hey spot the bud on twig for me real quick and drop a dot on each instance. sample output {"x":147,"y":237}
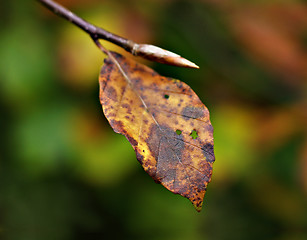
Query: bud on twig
{"x":161,"y":55}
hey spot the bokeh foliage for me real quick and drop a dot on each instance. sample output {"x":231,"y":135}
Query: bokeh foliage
{"x":65,"y":175}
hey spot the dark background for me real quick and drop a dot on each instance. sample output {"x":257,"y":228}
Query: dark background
{"x":65,"y":175}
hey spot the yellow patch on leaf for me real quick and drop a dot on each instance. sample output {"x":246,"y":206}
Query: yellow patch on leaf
{"x":165,"y":122}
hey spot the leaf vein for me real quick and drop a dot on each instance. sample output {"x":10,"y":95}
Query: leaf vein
{"x":168,"y":91}
{"x":192,"y":145}
{"x":163,"y":110}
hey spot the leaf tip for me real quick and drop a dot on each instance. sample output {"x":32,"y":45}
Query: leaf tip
{"x":198,"y":209}
{"x":197,"y":200}
{"x":197,"y":203}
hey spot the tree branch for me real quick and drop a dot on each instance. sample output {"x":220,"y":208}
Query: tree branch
{"x":147,"y":51}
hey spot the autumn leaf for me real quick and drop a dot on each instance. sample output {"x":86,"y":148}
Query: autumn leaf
{"x":165,"y":122}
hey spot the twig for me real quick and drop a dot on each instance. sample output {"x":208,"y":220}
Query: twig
{"x":147,"y":51}
{"x":91,"y":29}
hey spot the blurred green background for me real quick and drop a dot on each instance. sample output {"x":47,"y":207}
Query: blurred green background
{"x":65,"y":175}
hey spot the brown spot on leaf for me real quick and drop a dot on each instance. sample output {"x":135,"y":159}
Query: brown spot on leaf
{"x":192,"y":112}
{"x":128,"y":107}
{"x":208,"y":152}
{"x":111,"y":93}
{"x":132,"y":141}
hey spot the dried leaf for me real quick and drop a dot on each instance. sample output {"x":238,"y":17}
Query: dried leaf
{"x":165,"y":122}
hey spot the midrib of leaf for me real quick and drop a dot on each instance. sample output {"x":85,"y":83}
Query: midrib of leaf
{"x":133,"y":88}
{"x":146,"y":108}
